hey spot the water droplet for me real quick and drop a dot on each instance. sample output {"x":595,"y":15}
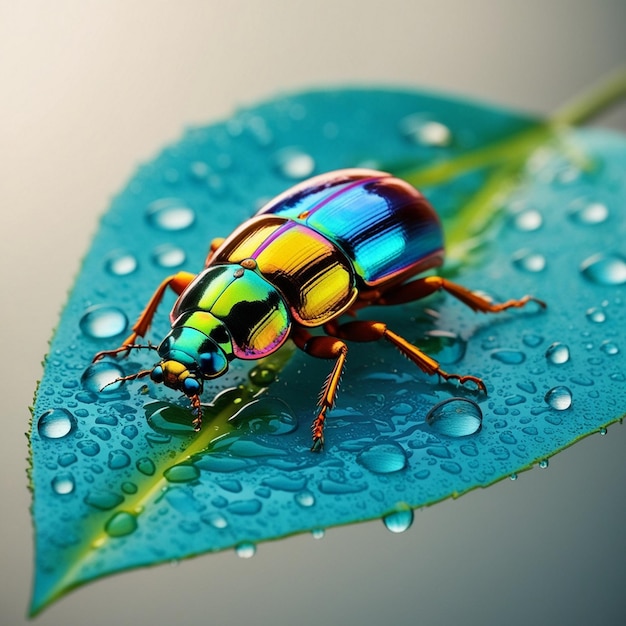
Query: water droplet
{"x":543,"y":464}
{"x":603,"y":430}
{"x":400,"y":520}
{"x":266,"y":415}
{"x":425,"y":132}
{"x":118,"y":459}
{"x":596,"y":315}
{"x":513,"y":476}
{"x":448,"y":346}
{"x":102,"y":377}
{"x":305,"y":498}
{"x":557,"y":353}
{"x":103,"y":500}
{"x":559,"y":398}
{"x":215,"y":519}
{"x":56,"y":423}
{"x":510,"y":357}
{"x":120,"y":524}
{"x":609,"y":347}
{"x":528,"y":220}
{"x":146,"y":466}
{"x":182,"y":473}
{"x":531,"y":340}
{"x":88,"y":447}
{"x":529,"y":261}
{"x":294,"y":163}
{"x":588,"y":213}
{"x":604,"y":269}
{"x":103,"y":322}
{"x":245,"y":550}
{"x":383,"y":458}
{"x":455,"y":417}
{"x":170,"y":214}
{"x":318,"y":533}
{"x":120,"y":263}
{"x":63,"y":483}
{"x":262,"y":375}
{"x":168,"y":255}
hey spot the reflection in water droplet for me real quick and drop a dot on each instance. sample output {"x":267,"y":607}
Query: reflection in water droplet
{"x":557,"y":353}
{"x":448,"y":347}
{"x":56,"y":423}
{"x":510,"y":357}
{"x":103,"y":322}
{"x":294,"y":163}
{"x":400,"y":520}
{"x":170,"y":214}
{"x":604,"y":269}
{"x":426,"y":132}
{"x":455,"y":417}
{"x":529,"y":261}
{"x":266,"y":415}
{"x":63,"y":483}
{"x":609,"y":347}
{"x":383,"y":458}
{"x":168,"y":255}
{"x":120,"y":263}
{"x":101,"y":377}
{"x":589,"y":213}
{"x":245,"y":550}
{"x":559,"y":398}
{"x":528,"y":221}
{"x":596,"y":315}
{"x":120,"y":524}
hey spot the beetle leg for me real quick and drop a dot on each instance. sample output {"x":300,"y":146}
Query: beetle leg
{"x":323,"y":348}
{"x":178,"y":283}
{"x":372,"y":331}
{"x":215,"y":244}
{"x":197,"y":407}
{"x":423,"y":287}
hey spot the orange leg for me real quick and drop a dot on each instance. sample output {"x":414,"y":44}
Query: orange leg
{"x":372,"y":331}
{"x":323,"y":348}
{"x":215,"y":244}
{"x":426,"y":286}
{"x":178,"y":283}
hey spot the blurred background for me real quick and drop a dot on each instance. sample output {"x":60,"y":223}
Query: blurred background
{"x":91,"y":89}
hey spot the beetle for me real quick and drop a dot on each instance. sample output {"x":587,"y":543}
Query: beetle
{"x":328,"y":246}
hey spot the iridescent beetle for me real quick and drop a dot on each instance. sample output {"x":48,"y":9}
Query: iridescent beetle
{"x":328,"y":246}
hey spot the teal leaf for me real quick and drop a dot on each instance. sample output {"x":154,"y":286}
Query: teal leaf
{"x":119,"y":478}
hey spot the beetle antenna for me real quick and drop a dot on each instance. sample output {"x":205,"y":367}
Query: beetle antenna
{"x":123,"y":379}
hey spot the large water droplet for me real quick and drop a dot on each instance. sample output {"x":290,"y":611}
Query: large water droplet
{"x":266,"y":415}
{"x":102,"y":377}
{"x":295,"y":164}
{"x":56,"y":423}
{"x":559,"y":398}
{"x":383,"y":458}
{"x":170,"y":214}
{"x":245,"y":550}
{"x":120,"y":263}
{"x":557,"y":353}
{"x":400,"y":520}
{"x":120,"y":524}
{"x":103,"y":322}
{"x":588,"y":213}
{"x":455,"y":417}
{"x":63,"y":483}
{"x":528,"y":261}
{"x":447,"y":346}
{"x":168,"y":255}
{"x":604,"y":269}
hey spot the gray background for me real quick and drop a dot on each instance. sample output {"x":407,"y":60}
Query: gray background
{"x":88,"y":91}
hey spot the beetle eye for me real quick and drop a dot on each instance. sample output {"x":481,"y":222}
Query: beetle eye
{"x":157,"y":374}
{"x":191,"y":386}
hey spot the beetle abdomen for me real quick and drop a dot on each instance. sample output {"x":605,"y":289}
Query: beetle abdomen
{"x":384,"y":225}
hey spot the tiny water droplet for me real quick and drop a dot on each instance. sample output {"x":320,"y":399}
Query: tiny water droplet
{"x":604,"y":269}
{"x":294,"y":164}
{"x":216,"y":520}
{"x":120,"y":524}
{"x":603,"y":430}
{"x":305,"y":498}
{"x":56,"y":423}
{"x":318,"y":533}
{"x":558,"y":353}
{"x":455,"y":417}
{"x":596,"y":315}
{"x":609,"y":347}
{"x":63,"y":483}
{"x":182,"y":473}
{"x":102,"y":377}
{"x":383,"y":458}
{"x":528,"y":221}
{"x":513,"y":476}
{"x":559,"y":398}
{"x":400,"y":520}
{"x":168,"y":255}
{"x":262,"y":375}
{"x":544,"y":463}
{"x":588,"y":213}
{"x":510,"y":357}
{"x":103,"y":322}
{"x":170,"y":214}
{"x":245,"y":550}
{"x":425,"y":132}
{"x":120,"y":263}
{"x":528,"y":261}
